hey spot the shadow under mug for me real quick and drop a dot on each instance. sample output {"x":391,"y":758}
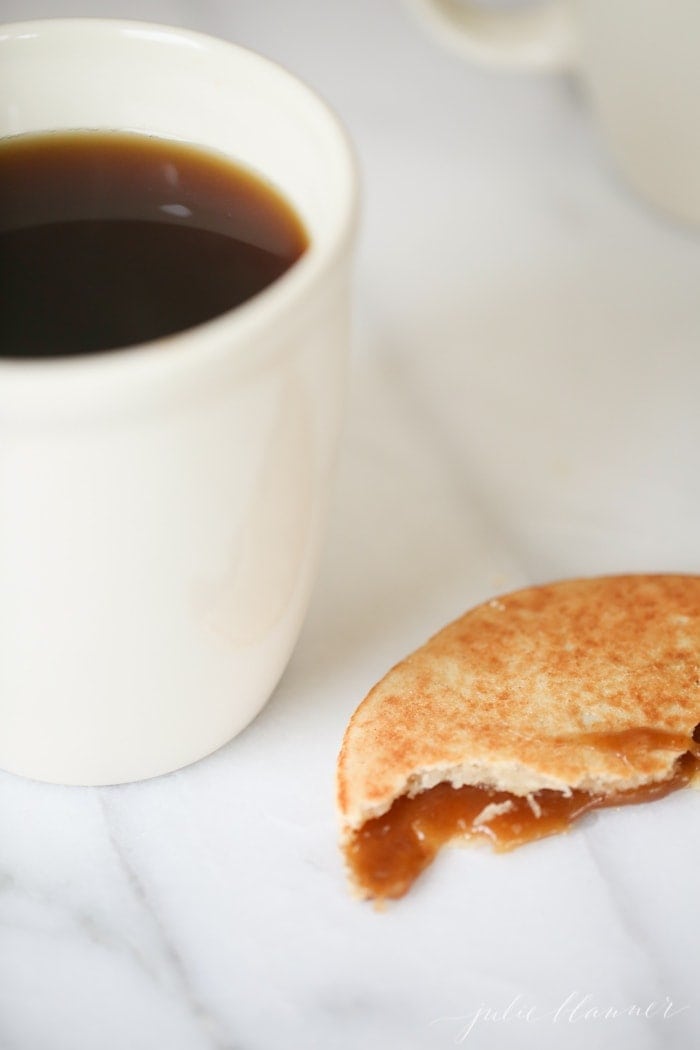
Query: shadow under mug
{"x":638,"y":62}
{"x":163,"y":505}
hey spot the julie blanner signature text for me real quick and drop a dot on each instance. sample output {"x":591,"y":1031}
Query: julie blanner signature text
{"x":577,"y":1008}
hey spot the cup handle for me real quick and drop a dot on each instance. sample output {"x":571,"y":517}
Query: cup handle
{"x":537,"y":37}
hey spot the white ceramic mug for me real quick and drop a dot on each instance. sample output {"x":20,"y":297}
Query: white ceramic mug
{"x":161,"y":506}
{"x":639,"y":62}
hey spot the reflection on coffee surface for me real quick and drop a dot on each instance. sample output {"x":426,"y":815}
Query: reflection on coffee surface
{"x":108,"y":239}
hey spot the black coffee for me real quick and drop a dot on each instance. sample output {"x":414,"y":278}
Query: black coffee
{"x":109,"y":239}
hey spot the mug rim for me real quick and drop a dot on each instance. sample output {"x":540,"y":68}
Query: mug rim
{"x":228,"y":335}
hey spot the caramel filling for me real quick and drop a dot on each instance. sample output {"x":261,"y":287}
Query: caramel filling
{"x":388,"y":853}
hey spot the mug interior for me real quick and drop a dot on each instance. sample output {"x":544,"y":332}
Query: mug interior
{"x":101,"y":74}
{"x":90,"y":74}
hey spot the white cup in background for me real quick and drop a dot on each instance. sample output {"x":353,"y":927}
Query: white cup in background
{"x":161,"y":506}
{"x":638,"y":61}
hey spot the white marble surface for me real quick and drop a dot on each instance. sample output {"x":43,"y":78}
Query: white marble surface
{"x":523,"y":407}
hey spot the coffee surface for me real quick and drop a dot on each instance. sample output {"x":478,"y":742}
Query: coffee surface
{"x":109,"y":239}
